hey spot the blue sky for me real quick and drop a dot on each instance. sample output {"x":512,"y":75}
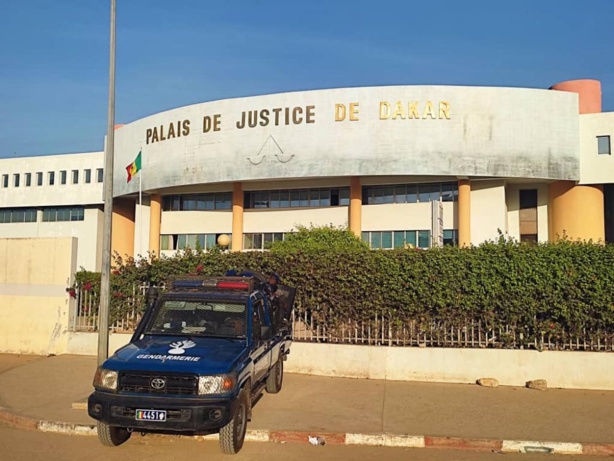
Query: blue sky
{"x":54,"y":54}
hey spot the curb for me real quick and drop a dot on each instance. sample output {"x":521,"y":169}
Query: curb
{"x":343,"y":438}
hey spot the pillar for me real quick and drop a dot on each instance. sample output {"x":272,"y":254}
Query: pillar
{"x":464,"y":213}
{"x":155,"y":218}
{"x":589,"y":93}
{"x":122,"y":222}
{"x":576,"y":211}
{"x":237,"y":217}
{"x":355,"y":211}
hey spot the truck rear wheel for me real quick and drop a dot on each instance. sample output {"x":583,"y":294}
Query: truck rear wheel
{"x":276,"y":377}
{"x":111,"y":436}
{"x":232,"y":434}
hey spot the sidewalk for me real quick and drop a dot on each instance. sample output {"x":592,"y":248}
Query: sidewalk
{"x":45,"y":388}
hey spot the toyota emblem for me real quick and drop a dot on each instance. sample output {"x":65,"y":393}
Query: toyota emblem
{"x":158,"y":383}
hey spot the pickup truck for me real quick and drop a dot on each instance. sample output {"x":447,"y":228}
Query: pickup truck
{"x":204,"y":351}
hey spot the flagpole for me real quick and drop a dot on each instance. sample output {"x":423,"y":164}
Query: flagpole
{"x":141,"y":205}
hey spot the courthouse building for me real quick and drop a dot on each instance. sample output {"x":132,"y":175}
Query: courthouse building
{"x":420,"y":165}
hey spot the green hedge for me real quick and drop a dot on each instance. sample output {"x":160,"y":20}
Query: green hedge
{"x":563,"y":289}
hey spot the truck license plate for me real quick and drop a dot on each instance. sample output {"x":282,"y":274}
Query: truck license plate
{"x":150,"y":415}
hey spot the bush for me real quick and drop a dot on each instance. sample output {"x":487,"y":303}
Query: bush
{"x":561,"y":289}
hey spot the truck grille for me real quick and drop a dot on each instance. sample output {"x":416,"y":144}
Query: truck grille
{"x":156,"y":383}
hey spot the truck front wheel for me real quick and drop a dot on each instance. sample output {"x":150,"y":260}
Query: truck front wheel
{"x":232,"y":434}
{"x":111,"y":436}
{"x":276,"y":377}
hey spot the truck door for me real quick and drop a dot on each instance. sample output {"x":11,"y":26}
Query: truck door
{"x":261,"y":354}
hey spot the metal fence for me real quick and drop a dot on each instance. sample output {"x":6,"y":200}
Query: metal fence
{"x":379,"y":331}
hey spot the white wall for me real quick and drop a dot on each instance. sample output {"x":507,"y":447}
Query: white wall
{"x":595,"y":168}
{"x":88,"y":233}
{"x":58,"y":194}
{"x":501,"y":132}
{"x":488,"y":210}
{"x":406,"y":216}
{"x":582,"y":370}
{"x":272,"y":220}
{"x":196,"y":222}
{"x":34,"y":306}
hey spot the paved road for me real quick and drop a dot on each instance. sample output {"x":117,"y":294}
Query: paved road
{"x":17,"y":445}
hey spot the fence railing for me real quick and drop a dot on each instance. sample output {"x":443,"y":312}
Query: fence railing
{"x":379,"y":331}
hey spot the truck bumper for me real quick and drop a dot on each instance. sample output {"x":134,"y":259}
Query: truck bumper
{"x":182,"y":415}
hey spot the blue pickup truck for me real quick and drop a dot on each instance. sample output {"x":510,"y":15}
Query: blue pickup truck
{"x":205,"y":349}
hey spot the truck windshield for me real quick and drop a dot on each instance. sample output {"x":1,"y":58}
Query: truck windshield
{"x":200,"y":318}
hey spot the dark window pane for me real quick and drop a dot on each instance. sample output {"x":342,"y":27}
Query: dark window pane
{"x":99,"y":175}
{"x":176,"y":203}
{"x":334,"y":197}
{"x":399,"y":193}
{"x":304,"y":197}
{"x":39,"y":179}
{"x":278,"y":237}
{"x":387,"y":240}
{"x":294,"y":198}
{"x":284,"y":198}
{"x":412,"y":194}
{"x":449,"y":192}
{"x":376,"y":239}
{"x":314,"y":197}
{"x":399,"y":239}
{"x":365,"y":237}
{"x":63,"y":177}
{"x":528,"y":199}
{"x":344,"y":197}
{"x":261,"y":200}
{"x":410,"y":238}
{"x":324,"y":197}
{"x":258,"y":241}
{"x":603,"y":145}
{"x":274,"y":203}
{"x":88,"y":176}
{"x":388,"y":194}
{"x":423,"y":239}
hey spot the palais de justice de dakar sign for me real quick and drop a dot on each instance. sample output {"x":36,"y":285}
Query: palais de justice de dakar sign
{"x":297,"y":115}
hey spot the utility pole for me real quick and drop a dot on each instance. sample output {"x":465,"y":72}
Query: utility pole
{"x":105,"y":285}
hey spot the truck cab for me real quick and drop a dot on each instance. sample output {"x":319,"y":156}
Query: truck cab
{"x":204,"y":350}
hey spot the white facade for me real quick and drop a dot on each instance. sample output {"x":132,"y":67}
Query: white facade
{"x":506,"y":141}
{"x":19,"y":195}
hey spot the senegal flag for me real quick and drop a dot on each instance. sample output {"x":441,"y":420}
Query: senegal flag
{"x":134,"y":167}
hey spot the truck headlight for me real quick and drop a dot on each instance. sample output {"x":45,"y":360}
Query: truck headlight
{"x":105,"y":379}
{"x":215,"y":384}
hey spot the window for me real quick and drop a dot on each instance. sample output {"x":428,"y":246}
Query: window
{"x":75,"y":176}
{"x":16,"y":180}
{"x":260,"y":241}
{"x":387,"y":240}
{"x":63,"y":214}
{"x":17,"y":215}
{"x":88,"y":176}
{"x":198,"y":202}
{"x":28,"y":179}
{"x":194,"y":241}
{"x":39,"y":178}
{"x":410,"y":193}
{"x":295,"y":198}
{"x":5,"y":180}
{"x":51,"y":178}
{"x":450,"y":237}
{"x":63,"y":177}
{"x":603,"y":145}
{"x":99,"y":175}
{"x":527,"y":218}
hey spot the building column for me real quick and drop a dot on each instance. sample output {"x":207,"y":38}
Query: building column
{"x":237,"y":217}
{"x":576,"y":211}
{"x":464,"y":212}
{"x":155,"y":219}
{"x":355,"y":210}
{"x":122,"y":222}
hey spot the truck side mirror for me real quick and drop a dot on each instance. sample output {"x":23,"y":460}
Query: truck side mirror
{"x":265,"y":332}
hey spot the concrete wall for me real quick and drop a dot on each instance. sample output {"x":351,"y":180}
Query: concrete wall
{"x":87,"y":232}
{"x":58,"y":194}
{"x":501,"y":132}
{"x":406,"y":216}
{"x":595,"y":168}
{"x":488,"y":214}
{"x":34,"y":305}
{"x":584,"y":370}
{"x":581,"y":370}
